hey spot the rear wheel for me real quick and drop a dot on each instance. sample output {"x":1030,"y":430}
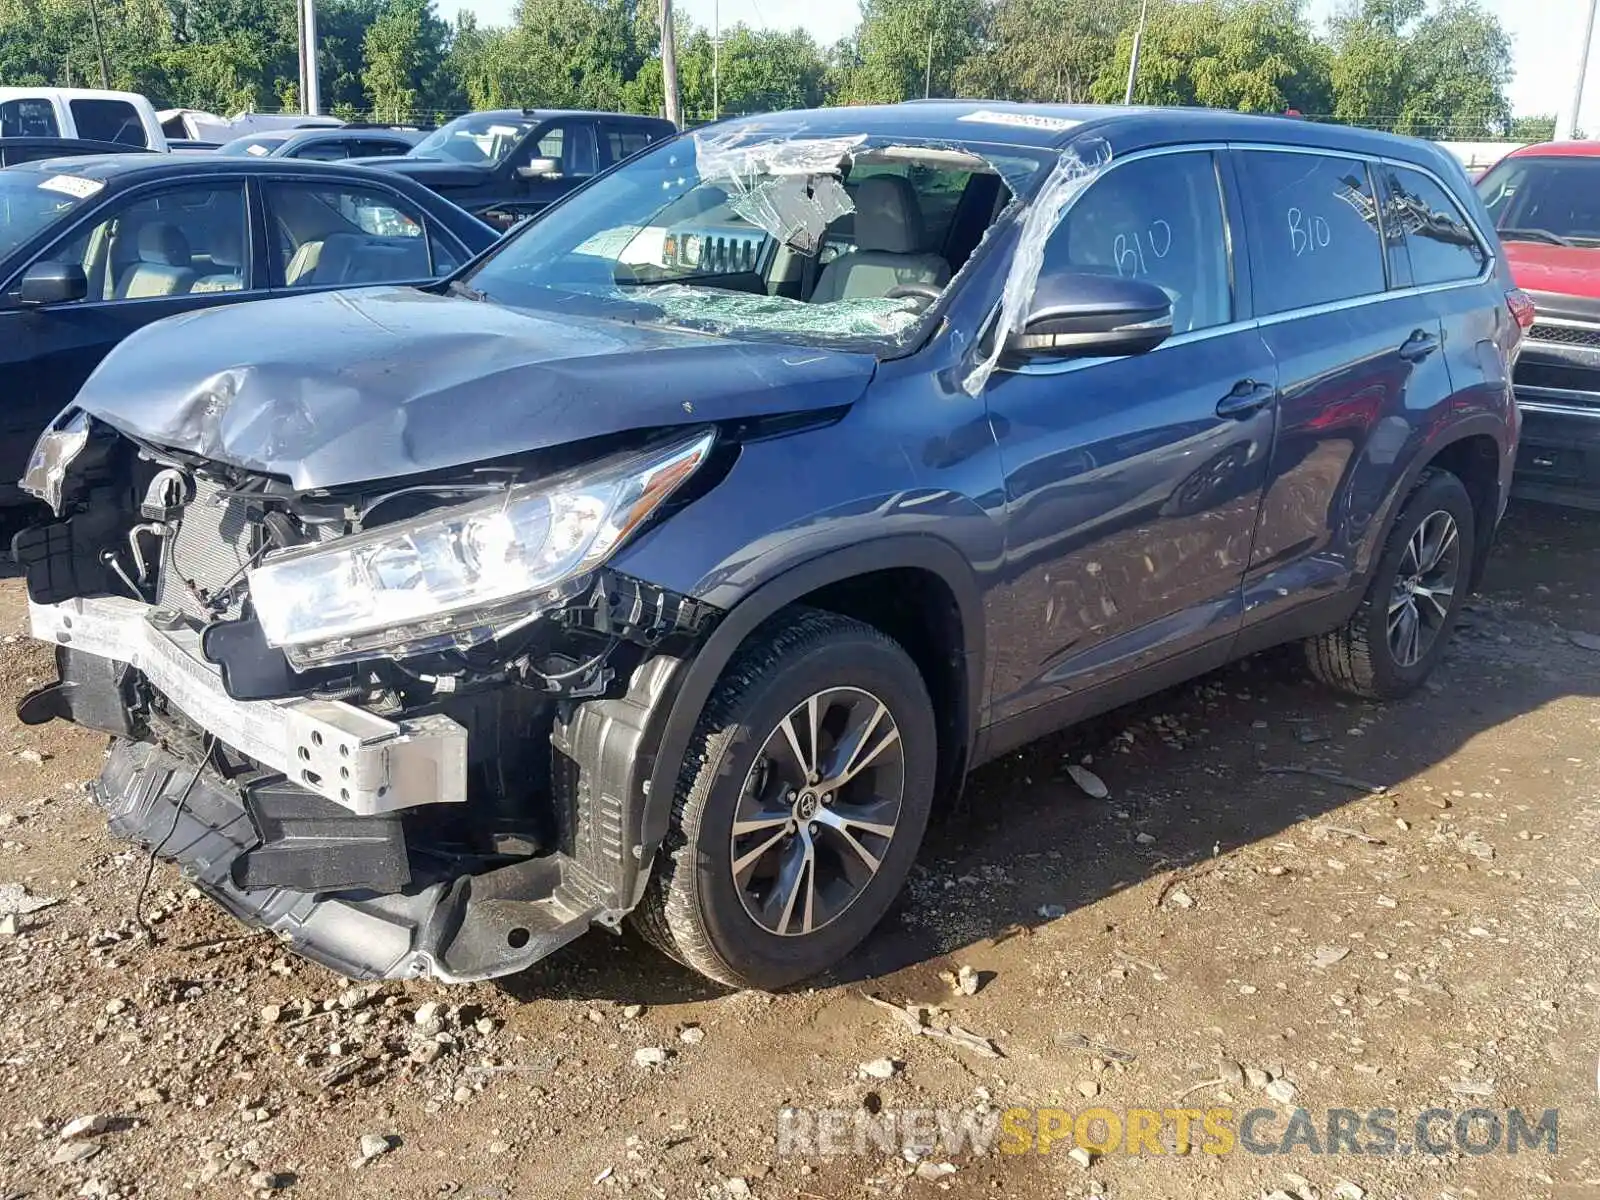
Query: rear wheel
{"x":1397,"y":636}
{"x":800,"y":806}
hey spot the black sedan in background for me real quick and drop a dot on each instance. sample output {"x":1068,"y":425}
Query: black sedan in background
{"x":323,"y":145}
{"x":508,"y":164}
{"x":92,"y":249}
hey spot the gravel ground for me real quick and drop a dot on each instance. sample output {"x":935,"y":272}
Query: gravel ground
{"x":1208,"y":933}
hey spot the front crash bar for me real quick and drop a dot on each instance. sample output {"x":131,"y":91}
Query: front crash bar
{"x":358,"y":760}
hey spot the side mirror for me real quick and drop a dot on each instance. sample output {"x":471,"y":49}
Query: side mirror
{"x":540,"y":168}
{"x":1079,"y":315}
{"x":52,"y":283}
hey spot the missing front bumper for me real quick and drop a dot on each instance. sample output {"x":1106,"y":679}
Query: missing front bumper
{"x":457,"y":930}
{"x":360,"y":761}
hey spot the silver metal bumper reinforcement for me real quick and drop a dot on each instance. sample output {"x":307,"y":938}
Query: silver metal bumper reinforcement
{"x":363,"y":762}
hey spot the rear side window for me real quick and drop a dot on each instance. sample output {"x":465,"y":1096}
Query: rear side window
{"x":624,"y":141}
{"x":108,"y":121}
{"x":1438,"y":241}
{"x":339,"y":235}
{"x":28,"y":118}
{"x":1158,"y":219}
{"x":1313,"y":227}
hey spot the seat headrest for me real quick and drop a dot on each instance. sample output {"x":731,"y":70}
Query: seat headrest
{"x":888,"y":215}
{"x":227,"y":246}
{"x":164,"y":245}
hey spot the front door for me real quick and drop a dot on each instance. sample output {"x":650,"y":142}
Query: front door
{"x":149,"y":256}
{"x":1132,"y":484}
{"x":570,"y":142}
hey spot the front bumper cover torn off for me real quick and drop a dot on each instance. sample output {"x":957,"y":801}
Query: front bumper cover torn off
{"x":457,"y":928}
{"x":461,"y":930}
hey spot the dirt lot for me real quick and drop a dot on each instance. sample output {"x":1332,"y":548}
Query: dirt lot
{"x":1431,"y":946}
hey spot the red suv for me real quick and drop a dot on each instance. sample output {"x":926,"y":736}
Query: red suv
{"x":1546,"y":205}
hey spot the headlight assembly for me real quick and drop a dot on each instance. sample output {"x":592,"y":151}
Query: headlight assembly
{"x":52,"y":454}
{"x":461,"y":576}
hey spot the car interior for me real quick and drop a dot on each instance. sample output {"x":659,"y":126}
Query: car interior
{"x":177,"y":243}
{"x":917,"y":217}
{"x":343,"y":238}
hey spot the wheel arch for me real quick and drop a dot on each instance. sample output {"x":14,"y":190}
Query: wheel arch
{"x":1473,"y":451}
{"x":622,"y":755}
{"x":838,"y":581}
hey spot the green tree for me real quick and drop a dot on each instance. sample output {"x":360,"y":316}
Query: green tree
{"x":908,"y":47}
{"x":1442,"y":74}
{"x":1533,"y":129}
{"x":404,"y":49}
{"x":1249,"y":55}
{"x":1045,"y":50}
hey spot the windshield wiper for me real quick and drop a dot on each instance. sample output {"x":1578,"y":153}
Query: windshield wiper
{"x":457,"y":288}
{"x":1533,"y":235}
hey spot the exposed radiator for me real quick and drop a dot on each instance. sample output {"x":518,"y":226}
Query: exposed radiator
{"x":210,"y":550}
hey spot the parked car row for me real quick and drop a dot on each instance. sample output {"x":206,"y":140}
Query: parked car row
{"x":675,"y":554}
{"x":94,"y":248}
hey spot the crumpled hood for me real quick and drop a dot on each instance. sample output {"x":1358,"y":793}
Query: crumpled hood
{"x":336,"y":388}
{"x":432,"y":172}
{"x":1563,"y":270}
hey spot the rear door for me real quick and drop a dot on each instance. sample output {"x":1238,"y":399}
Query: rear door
{"x":333,"y":233}
{"x":148,"y":255}
{"x":1132,"y":484}
{"x":1357,"y":363}
{"x":1449,"y":267}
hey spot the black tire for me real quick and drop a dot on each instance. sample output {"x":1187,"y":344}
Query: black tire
{"x":1358,"y":657}
{"x":693,"y":909}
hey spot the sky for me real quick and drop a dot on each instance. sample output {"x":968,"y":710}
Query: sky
{"x":1545,"y":36}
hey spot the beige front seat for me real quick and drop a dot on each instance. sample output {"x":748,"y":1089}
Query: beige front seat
{"x":889,"y":244}
{"x":164,"y":266}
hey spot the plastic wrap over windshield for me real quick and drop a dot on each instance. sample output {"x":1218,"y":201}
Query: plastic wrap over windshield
{"x":1074,"y":171}
{"x":790,"y":187}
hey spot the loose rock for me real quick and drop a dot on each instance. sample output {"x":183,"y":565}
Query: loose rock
{"x":649,"y":1056}
{"x":1282,"y":1091}
{"x":1093,"y":786}
{"x":91,"y":1125}
{"x":878,"y":1068}
{"x":374,"y":1145}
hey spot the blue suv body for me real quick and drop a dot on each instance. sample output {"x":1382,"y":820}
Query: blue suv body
{"x":626,"y":576}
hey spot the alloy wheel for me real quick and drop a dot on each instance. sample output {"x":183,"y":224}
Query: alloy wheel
{"x":818,"y":810}
{"x":1424,"y":588}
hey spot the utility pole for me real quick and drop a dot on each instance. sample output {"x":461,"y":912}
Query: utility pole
{"x":669,"y":65}
{"x":1571,"y":130}
{"x":927,"y":74}
{"x":313,"y":95}
{"x":1133,"y":62}
{"x":716,"y":60}
{"x":99,"y":45}
{"x":300,"y":48}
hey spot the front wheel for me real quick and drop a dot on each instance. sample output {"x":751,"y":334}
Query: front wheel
{"x":800,"y":806}
{"x":1399,"y":633}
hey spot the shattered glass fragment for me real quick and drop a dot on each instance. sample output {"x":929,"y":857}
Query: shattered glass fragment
{"x":789,"y":187}
{"x":721,"y":311}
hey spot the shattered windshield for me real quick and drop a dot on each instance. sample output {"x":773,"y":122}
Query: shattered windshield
{"x":483,"y":139}
{"x":739,"y":233}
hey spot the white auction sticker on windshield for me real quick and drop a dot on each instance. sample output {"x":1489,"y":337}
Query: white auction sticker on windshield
{"x":1022,"y":120}
{"x":257,"y":149}
{"x":72,"y":185}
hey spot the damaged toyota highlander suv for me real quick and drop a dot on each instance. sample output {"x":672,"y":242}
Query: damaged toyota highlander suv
{"x":662,"y":567}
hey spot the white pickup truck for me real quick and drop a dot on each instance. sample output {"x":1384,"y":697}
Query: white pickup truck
{"x":126,"y":118}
